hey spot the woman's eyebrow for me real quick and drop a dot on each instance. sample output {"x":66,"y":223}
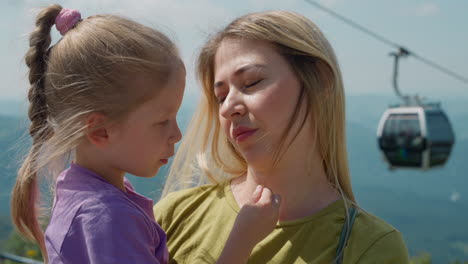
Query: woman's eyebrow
{"x":248,"y":67}
{"x":239,"y":71}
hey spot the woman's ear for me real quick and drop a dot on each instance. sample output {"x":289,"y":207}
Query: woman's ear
{"x":97,"y":129}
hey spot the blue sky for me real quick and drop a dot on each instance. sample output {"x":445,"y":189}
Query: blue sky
{"x":437,"y":30}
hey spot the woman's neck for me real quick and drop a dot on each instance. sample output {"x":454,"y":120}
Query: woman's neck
{"x":302,"y":184}
{"x":88,"y":157}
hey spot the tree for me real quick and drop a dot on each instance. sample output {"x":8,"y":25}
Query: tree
{"x":17,"y":245}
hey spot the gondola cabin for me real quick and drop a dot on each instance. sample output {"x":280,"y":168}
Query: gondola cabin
{"x":419,"y":137}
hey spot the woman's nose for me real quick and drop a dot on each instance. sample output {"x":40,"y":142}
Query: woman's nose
{"x":233,"y":105}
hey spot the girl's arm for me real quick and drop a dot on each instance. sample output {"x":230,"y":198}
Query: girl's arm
{"x":108,"y":233}
{"x":255,"y":221}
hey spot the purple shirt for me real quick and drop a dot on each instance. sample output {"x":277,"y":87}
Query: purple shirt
{"x":94,"y":222}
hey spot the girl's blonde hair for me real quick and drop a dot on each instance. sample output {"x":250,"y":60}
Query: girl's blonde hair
{"x":205,"y":155}
{"x":87,"y":71}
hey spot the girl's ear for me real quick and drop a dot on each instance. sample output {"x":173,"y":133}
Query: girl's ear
{"x":97,"y":129}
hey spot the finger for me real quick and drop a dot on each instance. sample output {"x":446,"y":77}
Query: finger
{"x":266,"y":197}
{"x":257,"y":194}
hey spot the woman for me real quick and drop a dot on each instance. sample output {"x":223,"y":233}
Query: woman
{"x":273,"y":114}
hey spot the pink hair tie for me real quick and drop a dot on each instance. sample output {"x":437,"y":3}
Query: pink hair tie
{"x":67,"y":19}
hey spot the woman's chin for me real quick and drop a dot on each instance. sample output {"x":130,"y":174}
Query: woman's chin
{"x":258,"y":160}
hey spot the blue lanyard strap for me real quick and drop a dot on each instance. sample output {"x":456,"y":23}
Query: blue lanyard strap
{"x":345,"y":234}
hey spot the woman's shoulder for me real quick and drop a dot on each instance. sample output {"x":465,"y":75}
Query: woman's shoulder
{"x":371,"y":224}
{"x":190,"y":192}
{"x":373,"y":239}
{"x":177,"y":201}
{"x":187,"y":195}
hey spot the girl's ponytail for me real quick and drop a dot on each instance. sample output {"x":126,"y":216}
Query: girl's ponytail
{"x":25,"y":192}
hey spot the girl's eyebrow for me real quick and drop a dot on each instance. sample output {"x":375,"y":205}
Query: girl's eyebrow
{"x":239,"y":71}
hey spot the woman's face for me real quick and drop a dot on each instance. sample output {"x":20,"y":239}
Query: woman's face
{"x":257,"y":94}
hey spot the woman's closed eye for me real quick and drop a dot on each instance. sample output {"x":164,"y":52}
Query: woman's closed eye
{"x":221,"y":99}
{"x":251,"y":84}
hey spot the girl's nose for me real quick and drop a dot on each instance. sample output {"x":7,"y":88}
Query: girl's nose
{"x":176,"y":135}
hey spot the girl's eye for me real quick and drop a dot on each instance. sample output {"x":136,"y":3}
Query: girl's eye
{"x":252,"y":84}
{"x":163,"y":123}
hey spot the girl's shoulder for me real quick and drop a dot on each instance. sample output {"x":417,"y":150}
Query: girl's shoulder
{"x":103,"y":230}
{"x":90,"y":216}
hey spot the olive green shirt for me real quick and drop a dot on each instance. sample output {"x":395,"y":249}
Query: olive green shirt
{"x":198,"y":222}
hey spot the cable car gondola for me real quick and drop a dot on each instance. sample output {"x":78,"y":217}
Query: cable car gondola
{"x":414,"y":134}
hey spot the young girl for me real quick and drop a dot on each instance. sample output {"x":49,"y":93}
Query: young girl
{"x":108,"y":93}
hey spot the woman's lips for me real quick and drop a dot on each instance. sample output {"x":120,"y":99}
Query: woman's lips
{"x":244,"y":134}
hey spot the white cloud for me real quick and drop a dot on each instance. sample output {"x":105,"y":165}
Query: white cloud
{"x":427,"y":9}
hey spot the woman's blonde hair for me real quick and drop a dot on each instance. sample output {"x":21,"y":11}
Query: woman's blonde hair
{"x":205,"y":155}
{"x":86,"y":71}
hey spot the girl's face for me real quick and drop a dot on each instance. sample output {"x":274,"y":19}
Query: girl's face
{"x":257,"y":93}
{"x":145,"y":141}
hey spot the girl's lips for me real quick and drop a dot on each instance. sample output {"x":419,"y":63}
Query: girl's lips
{"x":164,"y":161}
{"x":245,"y":134}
